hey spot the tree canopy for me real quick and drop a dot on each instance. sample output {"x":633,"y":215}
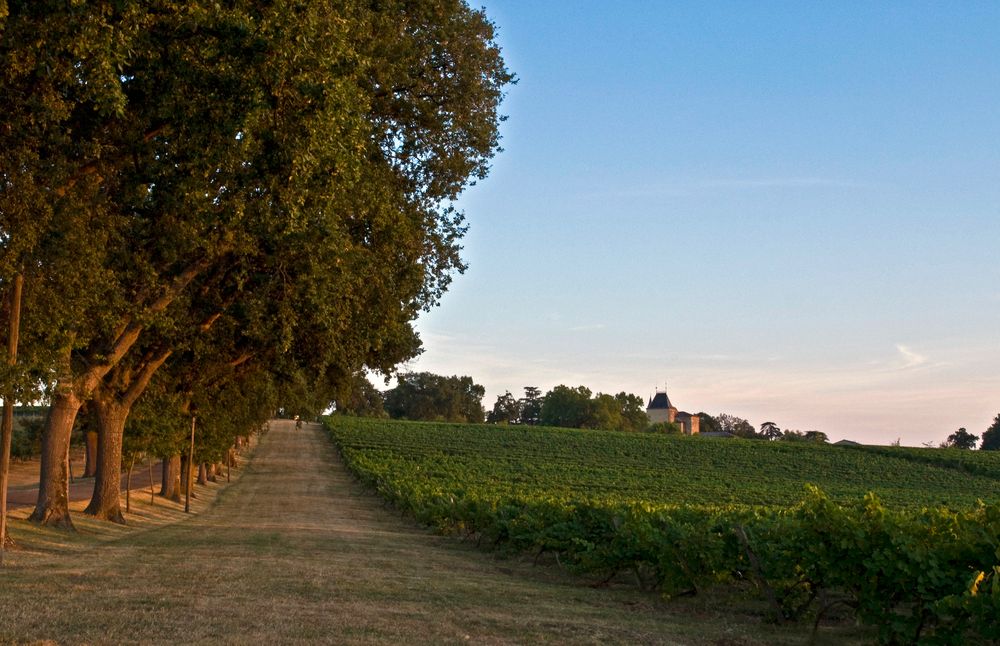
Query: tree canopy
{"x":991,"y":437}
{"x":961,"y":439}
{"x":237,"y":183}
{"x":736,"y":425}
{"x":434,"y":398}
{"x":576,"y":408}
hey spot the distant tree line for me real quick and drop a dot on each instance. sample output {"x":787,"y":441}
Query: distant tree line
{"x":571,"y":407}
{"x":739,"y":427}
{"x":424,"y":396}
{"x":963,"y":439}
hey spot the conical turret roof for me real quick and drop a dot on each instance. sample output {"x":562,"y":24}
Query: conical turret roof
{"x":660,"y":401}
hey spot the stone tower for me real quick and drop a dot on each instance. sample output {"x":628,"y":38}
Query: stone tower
{"x":660,"y":409}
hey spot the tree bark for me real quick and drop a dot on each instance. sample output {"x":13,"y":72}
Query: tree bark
{"x":165,"y":476}
{"x":213,"y":471}
{"x":128,"y":486}
{"x":8,"y":407}
{"x":152,"y":494}
{"x":202,"y":473}
{"x":52,"y":508}
{"x":112,"y":405}
{"x":171,"y":489}
{"x":106,"y":501}
{"x":90,"y":468}
{"x":186,"y":478}
{"x":8,"y":435}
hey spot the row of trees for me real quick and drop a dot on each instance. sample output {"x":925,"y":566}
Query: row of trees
{"x":429,"y":397}
{"x":425,"y":396}
{"x":215,"y":208}
{"x":740,"y":427}
{"x":573,"y":408}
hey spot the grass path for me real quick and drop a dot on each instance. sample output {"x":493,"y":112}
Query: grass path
{"x":294,"y":551}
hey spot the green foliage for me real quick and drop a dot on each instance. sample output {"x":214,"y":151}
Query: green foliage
{"x":962,"y":439}
{"x":606,"y":466}
{"x":708,"y":424}
{"x":357,"y":396}
{"x":737,"y":426}
{"x":800,"y":436}
{"x":506,"y":410}
{"x":912,"y":572}
{"x":670,"y":428}
{"x":575,"y":408}
{"x":236,"y":183}
{"x":991,"y":437}
{"x":26,"y":439}
{"x":428,"y":397}
{"x":770,"y":431}
{"x":531,"y":406}
{"x":566,"y":407}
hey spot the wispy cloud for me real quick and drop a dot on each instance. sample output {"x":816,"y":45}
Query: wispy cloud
{"x":911,"y":359}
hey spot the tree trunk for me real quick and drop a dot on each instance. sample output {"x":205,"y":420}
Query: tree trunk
{"x":8,"y":434}
{"x":8,"y":407}
{"x":165,"y":478}
{"x":52,"y":508}
{"x":213,"y":471}
{"x":106,"y":501}
{"x":202,"y":473}
{"x":90,"y":468}
{"x":187,"y":477}
{"x":152,"y":494}
{"x":184,"y":472}
{"x":171,"y":488}
{"x":128,"y":486}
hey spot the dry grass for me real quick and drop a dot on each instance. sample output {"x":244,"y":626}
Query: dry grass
{"x":294,"y":551}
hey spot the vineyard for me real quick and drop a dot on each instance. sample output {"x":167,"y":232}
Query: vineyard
{"x":908,"y":538}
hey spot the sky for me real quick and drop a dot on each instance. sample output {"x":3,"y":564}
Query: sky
{"x":788,"y":212}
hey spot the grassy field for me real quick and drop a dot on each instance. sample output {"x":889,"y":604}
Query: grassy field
{"x":296,"y":551}
{"x":610,"y":467}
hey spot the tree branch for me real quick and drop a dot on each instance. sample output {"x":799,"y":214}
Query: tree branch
{"x":149,"y":368}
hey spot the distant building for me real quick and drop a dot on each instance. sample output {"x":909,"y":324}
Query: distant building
{"x":30,"y":412}
{"x":661,"y":410}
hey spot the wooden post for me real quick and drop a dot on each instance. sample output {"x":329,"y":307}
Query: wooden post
{"x":7,"y":431}
{"x":152,"y":494}
{"x":187,"y":498}
{"x":128,"y":485}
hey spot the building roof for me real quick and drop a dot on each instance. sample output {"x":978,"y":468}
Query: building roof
{"x":660,"y":401}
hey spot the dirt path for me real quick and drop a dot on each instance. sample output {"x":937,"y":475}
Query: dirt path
{"x":295,"y":552}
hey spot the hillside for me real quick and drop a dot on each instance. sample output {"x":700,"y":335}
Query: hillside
{"x":600,"y":466}
{"x":917,"y":560}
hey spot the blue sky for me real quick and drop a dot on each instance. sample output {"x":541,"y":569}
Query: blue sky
{"x":784,"y":211}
